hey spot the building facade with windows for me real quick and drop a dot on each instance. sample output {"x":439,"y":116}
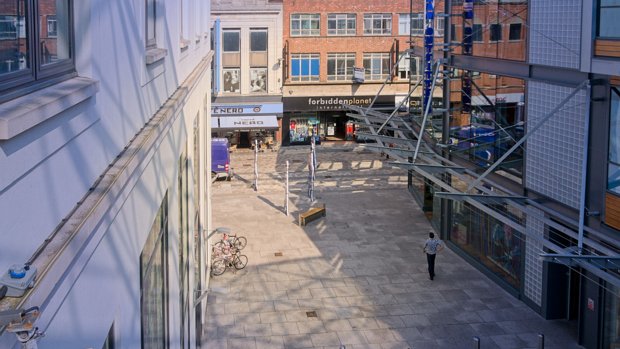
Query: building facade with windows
{"x":524,"y":183}
{"x":104,"y":192}
{"x":339,"y":52}
{"x":247,"y":95}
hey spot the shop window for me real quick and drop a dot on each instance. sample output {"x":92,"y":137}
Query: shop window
{"x":341,"y":24}
{"x":340,"y":66}
{"x":154,"y":283}
{"x":305,"y":25}
{"x":305,"y":67}
{"x":515,"y":32}
{"x":378,"y":24}
{"x":495,"y":32}
{"x":377,"y":66}
{"x":608,"y":25}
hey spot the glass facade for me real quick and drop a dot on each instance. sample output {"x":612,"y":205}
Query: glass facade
{"x":494,"y":244}
{"x":613,"y":167}
{"x":488,"y":119}
{"x":611,"y":330}
{"x":497,"y":29}
{"x":608,"y":13}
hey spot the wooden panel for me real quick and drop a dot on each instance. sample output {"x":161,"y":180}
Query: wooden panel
{"x":607,"y":48}
{"x":615,"y":80}
{"x":612,"y":210}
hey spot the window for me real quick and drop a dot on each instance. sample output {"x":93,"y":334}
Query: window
{"x":515,"y":32}
{"x":184,"y":25}
{"x":340,"y":66}
{"x":377,"y":65}
{"x":341,"y":24}
{"x":613,"y":166}
{"x":410,"y":64}
{"x":52,"y":26}
{"x":184,"y":289}
{"x":258,"y":47}
{"x":258,"y":80}
{"x":154,"y":283}
{"x":417,"y":24}
{"x":608,"y":25}
{"x":495,"y":31}
{"x":439,"y":26}
{"x":36,"y":41}
{"x":477,"y":33}
{"x":378,"y":24}
{"x":305,"y":25}
{"x":231,"y":60}
{"x":151,"y":17}
{"x":453,"y":32}
{"x":305,"y":67}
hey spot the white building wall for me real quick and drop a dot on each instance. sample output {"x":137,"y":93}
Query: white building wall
{"x":47,"y":169}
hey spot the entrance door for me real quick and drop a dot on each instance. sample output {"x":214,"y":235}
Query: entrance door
{"x":244,"y":139}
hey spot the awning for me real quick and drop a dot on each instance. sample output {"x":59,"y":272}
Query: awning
{"x":245,"y":122}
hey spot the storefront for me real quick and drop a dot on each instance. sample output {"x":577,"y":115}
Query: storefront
{"x":324,"y":117}
{"x":244,"y":123}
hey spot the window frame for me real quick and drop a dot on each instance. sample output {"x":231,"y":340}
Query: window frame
{"x":369,"y":73}
{"x":498,"y":32}
{"x":599,"y":11}
{"x":510,"y":31}
{"x":474,"y":32}
{"x":347,"y":18}
{"x":382,"y":17}
{"x":301,"y":57}
{"x":151,"y":42}
{"x":439,"y":25}
{"x":614,"y":91}
{"x":38,"y":75}
{"x":300,"y":18}
{"x":336,"y":57}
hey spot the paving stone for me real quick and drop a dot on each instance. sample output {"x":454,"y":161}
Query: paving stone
{"x":284,"y":328}
{"x":270,"y":342}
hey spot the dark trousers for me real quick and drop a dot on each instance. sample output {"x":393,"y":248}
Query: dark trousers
{"x":430,"y":258}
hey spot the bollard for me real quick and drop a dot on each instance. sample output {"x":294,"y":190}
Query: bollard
{"x":541,"y":341}
{"x":286,"y":195}
{"x":476,"y":343}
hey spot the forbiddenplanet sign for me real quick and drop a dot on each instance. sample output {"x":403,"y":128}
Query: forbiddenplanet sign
{"x":339,"y":100}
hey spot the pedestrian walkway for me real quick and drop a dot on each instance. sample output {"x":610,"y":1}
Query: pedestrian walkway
{"x":356,"y":277}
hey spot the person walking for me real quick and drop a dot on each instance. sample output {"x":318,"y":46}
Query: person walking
{"x":431,"y":247}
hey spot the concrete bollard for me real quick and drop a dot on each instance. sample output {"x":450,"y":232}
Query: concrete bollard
{"x":541,"y":341}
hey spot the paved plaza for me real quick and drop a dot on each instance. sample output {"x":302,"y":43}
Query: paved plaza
{"x":356,"y":277}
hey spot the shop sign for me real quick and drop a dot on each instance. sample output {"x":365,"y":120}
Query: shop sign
{"x":331,"y":103}
{"x":240,"y":109}
{"x":247,"y":122}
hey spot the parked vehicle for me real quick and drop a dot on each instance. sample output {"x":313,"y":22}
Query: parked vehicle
{"x":220,"y":158}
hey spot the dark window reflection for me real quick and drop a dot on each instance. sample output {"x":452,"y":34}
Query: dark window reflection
{"x":488,"y":120}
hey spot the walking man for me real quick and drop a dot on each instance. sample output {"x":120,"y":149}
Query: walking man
{"x":431,"y":247}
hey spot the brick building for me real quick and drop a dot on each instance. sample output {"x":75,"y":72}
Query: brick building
{"x":324,"y":40}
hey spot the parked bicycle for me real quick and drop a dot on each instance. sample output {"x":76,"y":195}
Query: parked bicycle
{"x":228,"y":239}
{"x":233,"y":260}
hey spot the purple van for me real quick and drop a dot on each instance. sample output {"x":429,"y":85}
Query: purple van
{"x":220,"y":158}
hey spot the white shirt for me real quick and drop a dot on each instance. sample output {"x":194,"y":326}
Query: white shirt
{"x":431,"y":246}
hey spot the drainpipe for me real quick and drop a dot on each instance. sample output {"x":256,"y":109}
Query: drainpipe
{"x":584,"y":169}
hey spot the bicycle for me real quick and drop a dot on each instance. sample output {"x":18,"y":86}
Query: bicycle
{"x":238,"y":242}
{"x":236,"y":260}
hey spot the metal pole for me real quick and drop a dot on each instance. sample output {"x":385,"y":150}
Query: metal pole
{"x":286,"y":195}
{"x":526,"y":136}
{"x":255,"y":164}
{"x":427,"y":109}
{"x":406,"y":99}
{"x":312,"y":168}
{"x":541,"y":341}
{"x":476,"y":343}
{"x":584,"y":171}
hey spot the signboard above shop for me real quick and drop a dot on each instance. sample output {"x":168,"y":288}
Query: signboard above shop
{"x":245,"y":109}
{"x":247,"y":122}
{"x":333,"y":102}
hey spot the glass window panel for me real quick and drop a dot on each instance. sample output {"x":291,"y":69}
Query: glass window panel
{"x":56,"y":46}
{"x":614,"y":128}
{"x":295,"y":67}
{"x":609,"y":26}
{"x":258,"y":40}
{"x":610,"y":3}
{"x":258,"y":80}
{"x":230,"y":40}
{"x":515,"y":31}
{"x":314,"y":67}
{"x":150,"y":22}
{"x":477,"y":32}
{"x":613,"y":178}
{"x":495,"y":32}
{"x":232,"y":78}
{"x":14,"y":38}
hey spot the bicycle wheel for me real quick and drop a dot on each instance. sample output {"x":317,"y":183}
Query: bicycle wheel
{"x":218,"y":267}
{"x":240,"y":242}
{"x":240,"y":261}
